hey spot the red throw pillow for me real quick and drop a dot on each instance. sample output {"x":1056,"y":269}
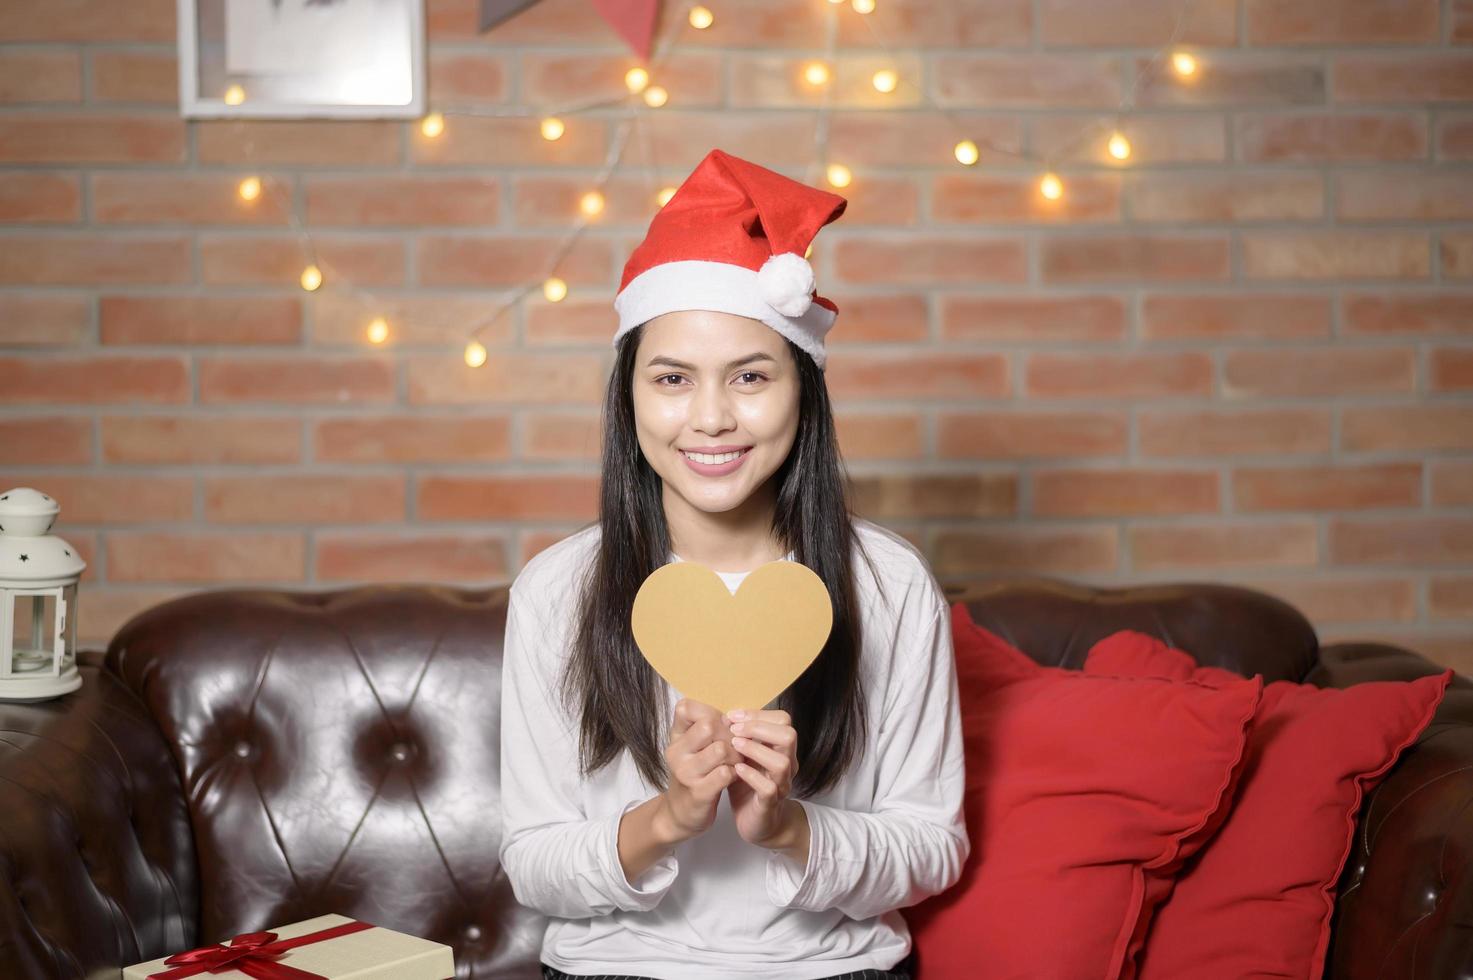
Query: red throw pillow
{"x":1257,"y":901}
{"x":1084,"y":795}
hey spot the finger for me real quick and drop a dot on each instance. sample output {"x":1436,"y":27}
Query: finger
{"x":765,"y":788}
{"x":774,"y":715}
{"x":716,"y":754}
{"x":781,"y":736}
{"x":711,"y":785}
{"x":772,"y":761}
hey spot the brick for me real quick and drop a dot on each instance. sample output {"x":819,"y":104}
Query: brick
{"x":773,"y":80}
{"x":1338,"y":254}
{"x":536,"y":541}
{"x":292,"y":499}
{"x":561,"y":435}
{"x":1441,"y":313}
{"x":1237,"y":196}
{"x":310,"y":142}
{"x":190,"y":440}
{"x":1460,"y":31}
{"x":195,"y":319}
{"x":921,"y":375}
{"x":923,"y":23}
{"x":1232,"y":79}
{"x":88,"y":259}
{"x":1401,"y":540}
{"x":1455,"y":255}
{"x":1322,"y":488}
{"x":451,"y":559}
{"x":1241,"y":315}
{"x":1421,"y":76}
{"x":415,"y":319}
{"x":550,"y":22}
{"x":1123,"y":375}
{"x":113,"y":498}
{"x":1345,"y":600}
{"x":881,"y":201}
{"x":1032,"y":319}
{"x":1343,"y":22}
{"x":1031,"y":435}
{"x":149,"y":77}
{"x":1160,"y":138}
{"x":36,"y":198}
{"x":1316,"y":137}
{"x":969,"y":198}
{"x":87,"y":20}
{"x":206,"y":556}
{"x":272,"y":260}
{"x":508,"y":377}
{"x":548,"y":78}
{"x":676,"y":141}
{"x":927,"y":260}
{"x":581,"y":319}
{"x":554,"y":201}
{"x":195,"y":199}
{"x":43,"y":319}
{"x":73,"y":380}
{"x":1450,"y":597}
{"x":468,"y":78}
{"x":916,"y":138}
{"x":513,"y":142}
{"x":109,"y":608}
{"x":1165,"y":546}
{"x":403,"y":201}
{"x":1455,"y":131}
{"x":1031,"y":81}
{"x":1450,"y":368}
{"x":1079,"y":492}
{"x":444,"y":260}
{"x":385,"y":439}
{"x":45,"y":440}
{"x":501,"y":498}
{"x":1406,"y":428}
{"x":1228,"y":432}
{"x":1133,"y":258}
{"x":1424,"y":195}
{"x":1145,"y":23}
{"x":40,"y":76}
{"x":1306,"y":372}
{"x":91,"y":137}
{"x":876,"y":435}
{"x":875,"y":318}
{"x":295,"y":380}
{"x":914,"y":496}
{"x":1452,"y":482}
{"x":1020,"y":550}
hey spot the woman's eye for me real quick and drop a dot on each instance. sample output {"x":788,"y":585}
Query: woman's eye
{"x":662,"y":377}
{"x":751,"y":374}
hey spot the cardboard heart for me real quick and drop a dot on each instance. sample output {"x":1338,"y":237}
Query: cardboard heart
{"x":732,"y":651}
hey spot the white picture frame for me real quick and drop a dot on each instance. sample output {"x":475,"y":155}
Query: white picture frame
{"x":302,"y":59}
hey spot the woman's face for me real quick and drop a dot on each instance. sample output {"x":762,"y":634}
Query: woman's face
{"x":714,"y":383}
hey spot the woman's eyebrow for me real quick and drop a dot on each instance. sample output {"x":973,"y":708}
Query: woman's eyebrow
{"x":672,"y":362}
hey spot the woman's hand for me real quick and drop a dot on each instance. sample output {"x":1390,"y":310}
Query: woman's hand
{"x":759,"y":798}
{"x":700,"y":758}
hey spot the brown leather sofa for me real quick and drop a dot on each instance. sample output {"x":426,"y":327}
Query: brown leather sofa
{"x":240,"y":759}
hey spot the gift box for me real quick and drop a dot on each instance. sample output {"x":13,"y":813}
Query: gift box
{"x":329,"y":947}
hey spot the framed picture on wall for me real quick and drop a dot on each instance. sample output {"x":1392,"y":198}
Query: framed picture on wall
{"x":297,"y":59}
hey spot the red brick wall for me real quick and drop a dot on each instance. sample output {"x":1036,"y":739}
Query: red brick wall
{"x":1246,"y":355}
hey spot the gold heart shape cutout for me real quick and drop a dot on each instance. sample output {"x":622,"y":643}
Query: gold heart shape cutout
{"x":732,"y":651}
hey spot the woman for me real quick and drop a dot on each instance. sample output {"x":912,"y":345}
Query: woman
{"x":662,"y":838}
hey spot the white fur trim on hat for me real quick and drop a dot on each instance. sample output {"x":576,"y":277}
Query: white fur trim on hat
{"x":697,"y":284}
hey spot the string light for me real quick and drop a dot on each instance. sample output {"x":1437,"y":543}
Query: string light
{"x":701,"y":18}
{"x":1119,"y":146}
{"x":864,"y":6}
{"x":378,"y":331}
{"x":1184,"y":63}
{"x":249,"y":189}
{"x":966,"y":153}
{"x":1051,"y":187}
{"x":311,"y":278}
{"x":655,"y":96}
{"x":234,"y":95}
{"x":554,"y":289}
{"x":591,"y":203}
{"x":816,"y":73}
{"x":433,"y":124}
{"x":475,"y":354}
{"x":839,"y":175}
{"x":885,"y":80}
{"x":636,"y":79}
{"x":552,"y":128}
{"x":666,"y":193}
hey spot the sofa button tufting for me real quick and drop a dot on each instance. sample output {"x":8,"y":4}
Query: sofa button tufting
{"x":473,"y":933}
{"x":242,"y":748}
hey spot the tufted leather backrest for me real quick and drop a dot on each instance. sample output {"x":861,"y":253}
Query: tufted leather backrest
{"x":339,"y":753}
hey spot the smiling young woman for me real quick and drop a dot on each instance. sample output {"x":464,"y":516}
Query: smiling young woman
{"x":662,"y":838}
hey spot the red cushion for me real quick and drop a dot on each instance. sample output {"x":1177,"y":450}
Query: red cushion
{"x":1257,"y":901}
{"x":1084,"y":795}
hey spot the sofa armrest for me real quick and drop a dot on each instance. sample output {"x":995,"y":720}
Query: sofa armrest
{"x":95,"y":842}
{"x":1406,"y":888}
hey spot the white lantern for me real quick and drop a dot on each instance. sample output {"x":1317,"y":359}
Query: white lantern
{"x":38,"y":586}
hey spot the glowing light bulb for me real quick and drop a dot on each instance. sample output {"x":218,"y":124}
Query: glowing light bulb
{"x":554,"y":289}
{"x":885,"y":80}
{"x":635,"y":79}
{"x":666,"y":193}
{"x":816,"y":73}
{"x":864,"y":6}
{"x":378,"y":331}
{"x":250,"y":188}
{"x":1051,"y":187}
{"x":1119,"y":146}
{"x":433,"y":125}
{"x":234,"y":95}
{"x":655,"y":96}
{"x":966,"y":153}
{"x":552,"y":128}
{"x":475,"y":354}
{"x":839,"y":175}
{"x":700,"y":18}
{"x":808,"y":251}
{"x":311,"y":278}
{"x":592,"y":203}
{"x":1184,"y":63}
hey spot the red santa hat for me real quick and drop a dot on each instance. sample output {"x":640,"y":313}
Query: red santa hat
{"x":732,"y":239}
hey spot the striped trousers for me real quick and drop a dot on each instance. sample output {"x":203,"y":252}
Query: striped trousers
{"x":904,"y":970}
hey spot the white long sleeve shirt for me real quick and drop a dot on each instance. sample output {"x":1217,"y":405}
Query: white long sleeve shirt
{"x":888,"y":834}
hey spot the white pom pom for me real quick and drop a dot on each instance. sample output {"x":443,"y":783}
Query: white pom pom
{"x":785,"y":282}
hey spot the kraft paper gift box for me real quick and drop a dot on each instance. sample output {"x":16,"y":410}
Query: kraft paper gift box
{"x":329,"y":947}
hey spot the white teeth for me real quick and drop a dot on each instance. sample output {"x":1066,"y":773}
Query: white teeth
{"x":712,"y":460}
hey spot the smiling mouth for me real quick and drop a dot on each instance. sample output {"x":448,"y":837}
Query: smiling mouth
{"x":714,"y":459}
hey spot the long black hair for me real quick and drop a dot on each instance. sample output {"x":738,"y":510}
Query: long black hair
{"x":620,"y":698}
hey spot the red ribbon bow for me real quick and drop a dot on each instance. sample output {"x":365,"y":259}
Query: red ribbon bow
{"x":254,"y":954}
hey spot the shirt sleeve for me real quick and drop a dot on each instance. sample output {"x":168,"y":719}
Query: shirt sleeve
{"x":914,"y":842}
{"x":560,"y":861}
